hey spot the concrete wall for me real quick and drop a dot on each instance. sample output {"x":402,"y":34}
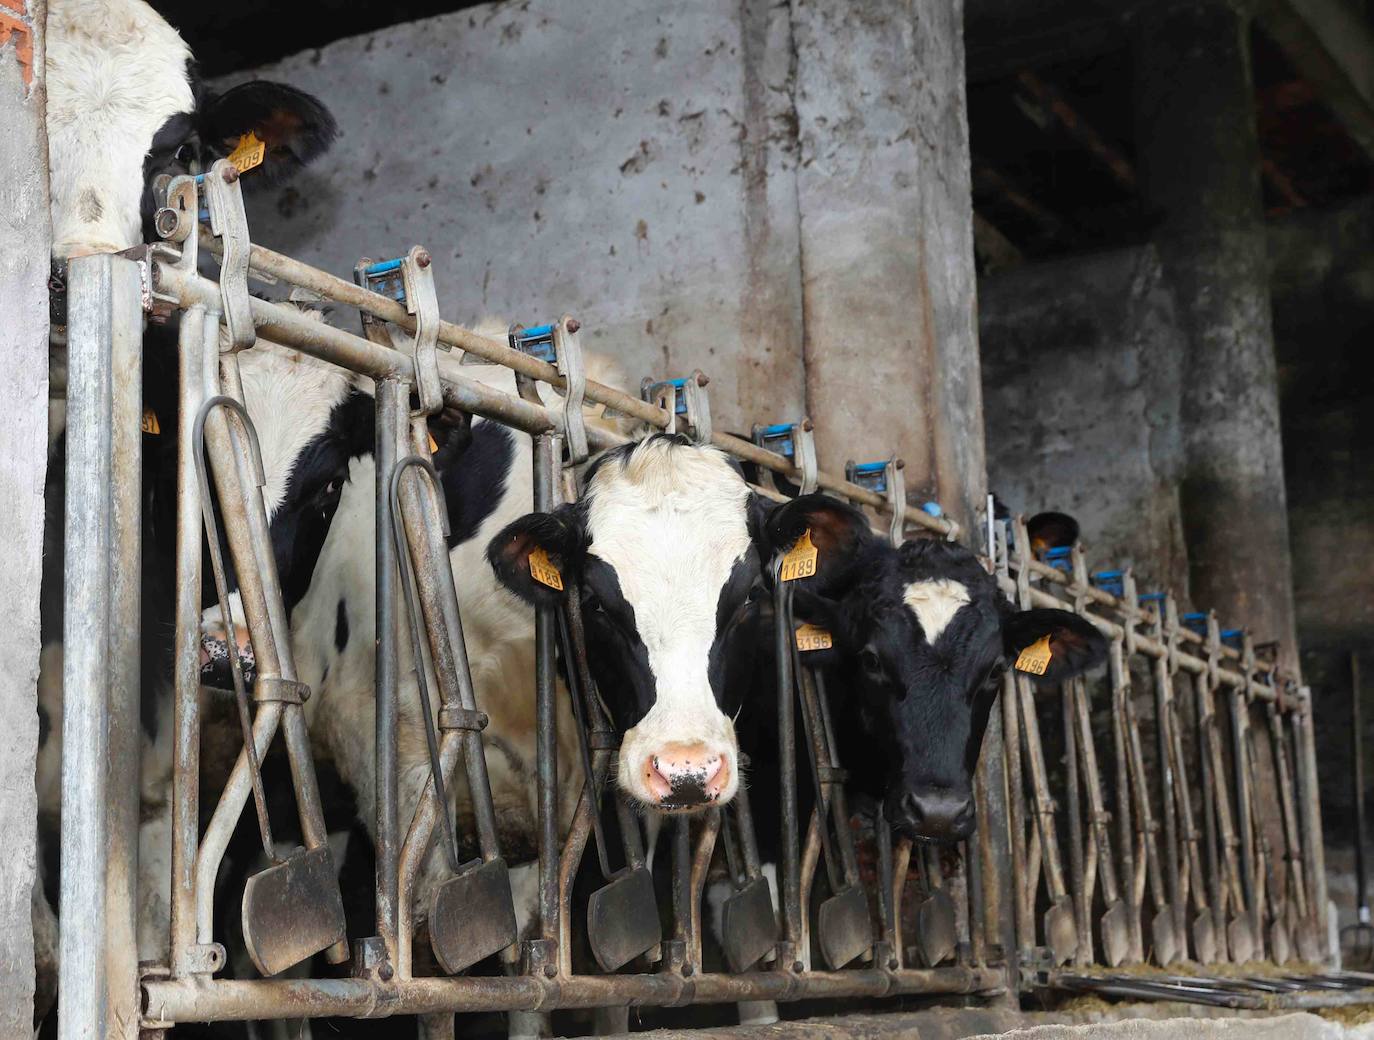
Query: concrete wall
{"x":1081,"y":362}
{"x":734,"y":185}
{"x":24,"y":247}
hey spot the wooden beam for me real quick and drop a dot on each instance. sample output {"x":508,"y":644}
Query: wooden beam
{"x":994,"y":249}
{"x":985,"y":178}
{"x":1332,"y":45}
{"x":1107,"y":154}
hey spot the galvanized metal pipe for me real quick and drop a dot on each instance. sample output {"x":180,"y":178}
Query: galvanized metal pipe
{"x":546,"y":461}
{"x":98,"y":977}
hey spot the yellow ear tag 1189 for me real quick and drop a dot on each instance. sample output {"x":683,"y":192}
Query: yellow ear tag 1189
{"x":800,"y":561}
{"x":809,"y":637}
{"x":1035,"y":658}
{"x":150,"y":423}
{"x":543,"y":571}
{"x":249,"y":153}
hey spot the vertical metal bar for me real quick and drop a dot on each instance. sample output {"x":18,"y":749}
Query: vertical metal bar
{"x":546,"y":467}
{"x":1163,"y":713}
{"x":1022,"y":880}
{"x":1201,"y":693}
{"x":994,"y":884}
{"x":390,"y":439}
{"x":186,"y":673}
{"x":1244,"y":811}
{"x":1313,"y":852}
{"x":1077,"y":879}
{"x":1125,"y":831}
{"x":98,"y":979}
{"x":787,"y":785}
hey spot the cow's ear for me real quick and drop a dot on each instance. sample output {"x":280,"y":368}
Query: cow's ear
{"x":538,"y":555}
{"x":838,"y":531}
{"x":295,"y":127}
{"x":1072,"y":643}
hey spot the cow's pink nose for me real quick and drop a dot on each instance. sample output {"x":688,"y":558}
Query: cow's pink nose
{"x":683,"y":775}
{"x":214,"y":648}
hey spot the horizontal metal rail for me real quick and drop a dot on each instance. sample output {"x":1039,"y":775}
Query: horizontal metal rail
{"x":176,"y":1000}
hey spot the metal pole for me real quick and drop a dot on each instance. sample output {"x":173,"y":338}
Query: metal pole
{"x":546,"y":470}
{"x":186,"y":666}
{"x":98,"y":979}
{"x":390,"y":439}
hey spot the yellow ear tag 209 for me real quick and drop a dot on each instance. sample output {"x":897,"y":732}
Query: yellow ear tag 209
{"x":809,"y":637}
{"x":543,"y":571}
{"x":249,"y":153}
{"x":150,"y":423}
{"x":1035,"y":658}
{"x":800,"y":561}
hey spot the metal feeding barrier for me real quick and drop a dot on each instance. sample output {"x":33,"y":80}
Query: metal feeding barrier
{"x":975,"y":927}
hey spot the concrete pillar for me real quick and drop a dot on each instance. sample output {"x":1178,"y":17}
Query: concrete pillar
{"x":1200,"y":168}
{"x":23,"y":462}
{"x":888,"y":291}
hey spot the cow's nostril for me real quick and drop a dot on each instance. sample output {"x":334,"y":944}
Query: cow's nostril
{"x":686,"y":776}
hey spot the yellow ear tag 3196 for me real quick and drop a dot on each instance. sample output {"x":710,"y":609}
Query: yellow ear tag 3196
{"x":249,"y":153}
{"x":1035,"y":658}
{"x":800,"y":561}
{"x":809,"y":637}
{"x":543,"y":571}
{"x":150,"y":423}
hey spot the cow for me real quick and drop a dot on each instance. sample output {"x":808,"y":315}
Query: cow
{"x":922,"y":636}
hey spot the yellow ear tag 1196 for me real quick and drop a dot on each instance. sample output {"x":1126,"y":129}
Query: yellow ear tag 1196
{"x":249,"y":153}
{"x":543,"y":571}
{"x":809,"y":637}
{"x":800,"y":561}
{"x":1035,"y":658}
{"x":150,"y":423}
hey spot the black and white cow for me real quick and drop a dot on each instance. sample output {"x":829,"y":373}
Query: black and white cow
{"x":125,"y":104}
{"x":922,"y":637}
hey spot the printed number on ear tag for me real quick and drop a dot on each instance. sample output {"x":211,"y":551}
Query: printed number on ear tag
{"x":1035,"y":658}
{"x":150,"y":423}
{"x":809,"y":637}
{"x":543,"y":571}
{"x":249,"y":152}
{"x":800,"y":561}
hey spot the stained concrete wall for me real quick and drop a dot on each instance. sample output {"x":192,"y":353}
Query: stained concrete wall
{"x":24,"y":246}
{"x":1081,"y":363}
{"x":775,"y":193}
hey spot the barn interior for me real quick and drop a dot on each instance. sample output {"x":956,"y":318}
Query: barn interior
{"x":1171,"y":211}
{"x":1111,"y":258}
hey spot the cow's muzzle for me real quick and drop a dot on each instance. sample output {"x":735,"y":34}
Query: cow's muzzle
{"x":935,"y":815}
{"x":215,"y":668}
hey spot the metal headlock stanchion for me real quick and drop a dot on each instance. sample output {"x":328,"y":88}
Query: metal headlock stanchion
{"x":1224,"y":868}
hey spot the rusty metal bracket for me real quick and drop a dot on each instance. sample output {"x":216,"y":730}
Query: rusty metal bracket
{"x":270,"y":688}
{"x":453,"y":716}
{"x":229,"y":224}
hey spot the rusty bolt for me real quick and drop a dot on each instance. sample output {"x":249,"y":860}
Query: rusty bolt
{"x":385,"y":972}
{"x":703,"y":379}
{"x":574,"y":325}
{"x":550,"y":971}
{"x":688,"y":971}
{"x":798,"y":966}
{"x":900,"y":464}
{"x":422,"y":259}
{"x":230,"y":174}
{"x":807,"y":425}
{"x":165,"y":222}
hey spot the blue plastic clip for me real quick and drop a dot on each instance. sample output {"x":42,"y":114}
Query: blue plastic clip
{"x":776,"y":438}
{"x":1060,"y":557}
{"x":385,"y":278}
{"x":537,"y":342}
{"x":872,"y":476}
{"x":1152,"y":597}
{"x":1195,"y":621}
{"x":1109,"y":581}
{"x":1232,"y":636}
{"x":932,"y":509}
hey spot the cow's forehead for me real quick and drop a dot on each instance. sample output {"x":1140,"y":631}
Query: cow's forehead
{"x":934,"y":602}
{"x":290,"y":397}
{"x":672,"y":519}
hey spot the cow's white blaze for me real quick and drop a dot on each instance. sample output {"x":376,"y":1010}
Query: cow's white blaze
{"x":116,"y":72}
{"x":672,"y":521}
{"x":935,"y":601}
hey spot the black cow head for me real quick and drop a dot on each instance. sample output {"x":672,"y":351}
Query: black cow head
{"x":663,"y":552}
{"x":922,"y":637}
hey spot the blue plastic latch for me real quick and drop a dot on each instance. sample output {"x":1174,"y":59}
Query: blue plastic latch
{"x":871,"y":476}
{"x":1109,"y":581}
{"x":385,"y":278}
{"x":932,"y":509}
{"x":1232,"y":636}
{"x":1152,"y":597}
{"x":536,"y":341}
{"x":1061,"y":558}
{"x":1195,"y":621}
{"x":776,"y":438}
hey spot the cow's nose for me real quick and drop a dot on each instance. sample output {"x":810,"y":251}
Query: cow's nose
{"x":214,"y":658}
{"x":685,"y":775}
{"x":939,"y":814}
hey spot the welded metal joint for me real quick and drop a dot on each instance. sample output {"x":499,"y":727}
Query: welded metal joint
{"x":229,"y":224}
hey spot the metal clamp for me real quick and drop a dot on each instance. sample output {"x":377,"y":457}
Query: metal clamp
{"x":795,"y":442}
{"x":453,"y":716}
{"x":410,"y":280}
{"x":557,"y":344}
{"x":684,"y":397}
{"x":287,"y":691}
{"x":229,"y":224}
{"x":884,"y":478}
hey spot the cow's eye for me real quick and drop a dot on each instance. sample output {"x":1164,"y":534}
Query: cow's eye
{"x":871,"y":663}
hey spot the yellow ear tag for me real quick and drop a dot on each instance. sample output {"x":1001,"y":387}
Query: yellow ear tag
{"x":150,"y":423}
{"x":543,"y":571}
{"x":249,"y":153}
{"x":433,"y":444}
{"x":809,"y":637}
{"x":1035,"y":658}
{"x":800,"y":561}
